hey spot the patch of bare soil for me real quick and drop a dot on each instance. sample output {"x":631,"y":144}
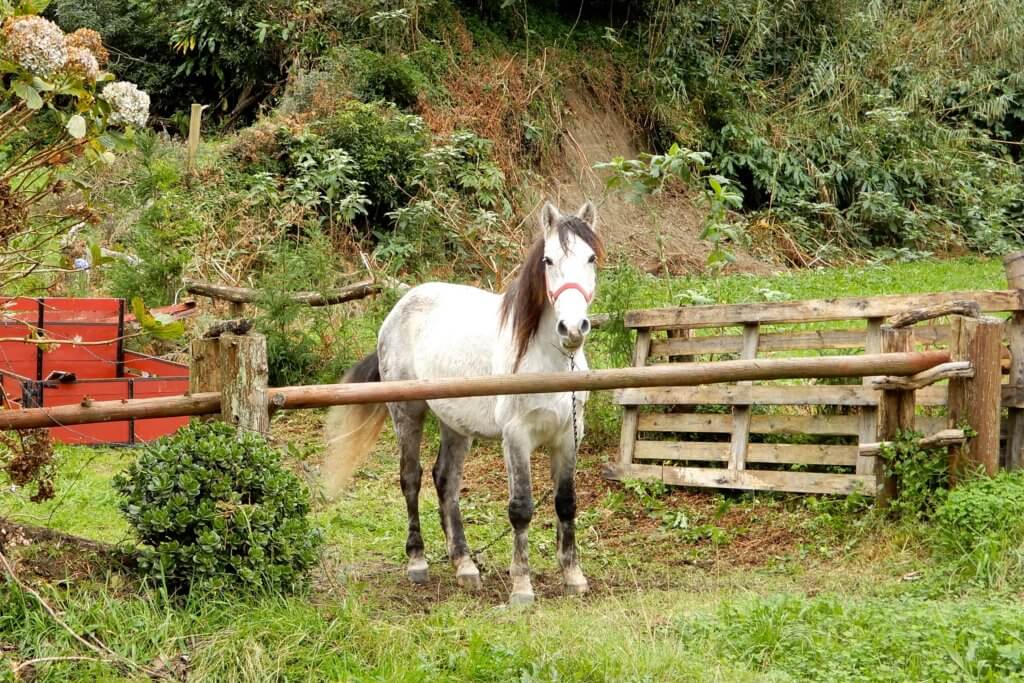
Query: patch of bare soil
{"x":42,"y":554}
{"x":661,"y":234}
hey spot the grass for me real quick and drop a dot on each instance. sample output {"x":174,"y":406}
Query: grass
{"x":686,"y":585}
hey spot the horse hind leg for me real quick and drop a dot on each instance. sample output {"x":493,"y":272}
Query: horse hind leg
{"x":448,"y":479}
{"x":408,"y":419}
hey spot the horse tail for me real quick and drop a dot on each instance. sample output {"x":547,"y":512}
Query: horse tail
{"x":352,"y":430}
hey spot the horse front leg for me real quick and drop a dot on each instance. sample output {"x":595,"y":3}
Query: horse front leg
{"x":520,"y":512}
{"x":563,"y":471}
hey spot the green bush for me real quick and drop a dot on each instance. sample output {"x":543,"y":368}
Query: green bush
{"x":217,"y":508}
{"x":393,"y":78}
{"x":386,"y":146}
{"x":980,"y":529}
{"x":921,"y":474}
{"x":162,"y":241}
{"x":304,"y":344}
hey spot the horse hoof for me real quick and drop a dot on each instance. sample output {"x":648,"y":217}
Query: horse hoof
{"x":522,"y":599}
{"x":470,"y":581}
{"x":576,"y":588}
{"x":418,"y":576}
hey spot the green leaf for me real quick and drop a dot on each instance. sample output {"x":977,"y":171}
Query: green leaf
{"x":29,"y":94}
{"x":154,"y":327}
{"x":76,"y":126}
{"x":96,"y":255}
{"x":32,"y":6}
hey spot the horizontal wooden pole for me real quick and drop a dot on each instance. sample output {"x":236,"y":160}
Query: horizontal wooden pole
{"x":943,"y":438}
{"x":323,"y":395}
{"x":246,"y":295}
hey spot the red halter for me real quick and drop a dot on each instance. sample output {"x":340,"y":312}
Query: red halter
{"x":552,"y":296}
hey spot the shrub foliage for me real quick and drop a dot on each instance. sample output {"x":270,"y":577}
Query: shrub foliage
{"x":216,"y":507}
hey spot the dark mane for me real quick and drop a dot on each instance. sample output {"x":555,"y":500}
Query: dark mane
{"x":524,"y":301}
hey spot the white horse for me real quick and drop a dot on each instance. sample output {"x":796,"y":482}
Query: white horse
{"x":445,"y":330}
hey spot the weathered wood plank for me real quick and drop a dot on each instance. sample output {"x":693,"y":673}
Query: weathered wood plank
{"x":818,"y":425}
{"x":822,"y":425}
{"x":741,"y":413}
{"x":766,"y":480}
{"x":976,"y":400}
{"x":869,"y":414}
{"x":627,"y":436}
{"x":778,"y":453}
{"x":807,"y":340}
{"x":1015,"y":419}
{"x":815,"y":310}
{"x":755,"y":480}
{"x":789,"y":394}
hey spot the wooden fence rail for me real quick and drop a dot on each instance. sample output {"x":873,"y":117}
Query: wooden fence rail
{"x":319,"y":396}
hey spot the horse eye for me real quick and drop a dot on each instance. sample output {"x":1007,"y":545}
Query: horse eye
{"x":592,"y":259}
{"x":547,"y":261}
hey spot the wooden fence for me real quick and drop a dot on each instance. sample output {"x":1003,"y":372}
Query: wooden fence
{"x":810,"y":436}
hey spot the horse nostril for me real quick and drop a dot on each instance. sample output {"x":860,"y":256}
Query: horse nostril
{"x":585,"y":326}
{"x":562,"y":329}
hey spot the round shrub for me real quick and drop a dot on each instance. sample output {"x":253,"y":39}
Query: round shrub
{"x":216,"y":507}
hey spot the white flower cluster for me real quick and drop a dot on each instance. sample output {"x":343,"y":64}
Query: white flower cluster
{"x":129,"y":105}
{"x":83,"y":63}
{"x":36,"y":44}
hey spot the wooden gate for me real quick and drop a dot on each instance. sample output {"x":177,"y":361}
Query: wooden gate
{"x":799,"y":435}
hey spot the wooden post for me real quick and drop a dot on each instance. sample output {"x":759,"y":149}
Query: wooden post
{"x":868,"y":430}
{"x":895,"y":409}
{"x":631,"y":414}
{"x":976,"y":400}
{"x":194,"y":123}
{"x":235,"y":366}
{"x":1014,"y":264}
{"x":741,"y":414}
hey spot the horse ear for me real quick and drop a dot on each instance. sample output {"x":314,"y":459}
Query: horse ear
{"x":588,"y":214}
{"x":549,"y":218}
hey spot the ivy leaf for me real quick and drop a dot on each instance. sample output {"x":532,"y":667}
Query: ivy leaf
{"x":76,"y":126}
{"x":152,"y":326}
{"x":29,"y":94}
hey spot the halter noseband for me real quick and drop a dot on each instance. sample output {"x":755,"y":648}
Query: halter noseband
{"x":553,"y":296}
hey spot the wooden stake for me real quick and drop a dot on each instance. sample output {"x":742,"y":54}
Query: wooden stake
{"x":631,"y":414}
{"x":1015,"y":420}
{"x":1014,"y":265}
{"x":868,"y":431}
{"x":895,"y":409}
{"x":741,"y":414}
{"x":976,"y":400}
{"x":194,"y":123}
{"x":236,"y":367}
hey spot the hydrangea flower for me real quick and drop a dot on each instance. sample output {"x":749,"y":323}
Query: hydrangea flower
{"x":129,"y":105}
{"x":82,"y":62}
{"x":36,"y":44}
{"x":90,"y":40}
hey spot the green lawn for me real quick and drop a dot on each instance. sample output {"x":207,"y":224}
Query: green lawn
{"x":686,"y":585}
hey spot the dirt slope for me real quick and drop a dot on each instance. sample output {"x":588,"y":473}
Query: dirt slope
{"x":657,"y":234}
